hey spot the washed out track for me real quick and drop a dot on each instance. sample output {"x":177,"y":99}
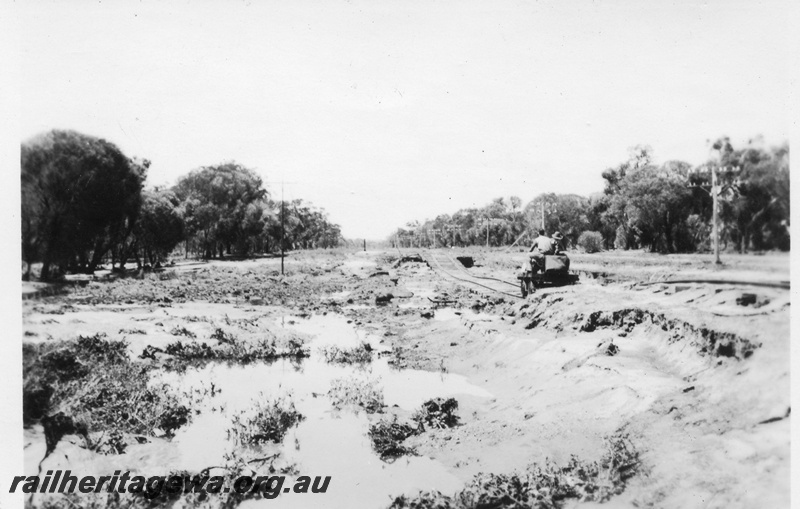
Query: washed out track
{"x":448,"y":268}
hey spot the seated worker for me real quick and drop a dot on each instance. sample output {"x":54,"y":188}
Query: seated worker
{"x":558,"y":246}
{"x":542,"y":246}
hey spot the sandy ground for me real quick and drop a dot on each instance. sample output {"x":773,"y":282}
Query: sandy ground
{"x":699,"y":378}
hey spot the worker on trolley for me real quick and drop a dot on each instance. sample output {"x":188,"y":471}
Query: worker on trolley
{"x":542,"y":245}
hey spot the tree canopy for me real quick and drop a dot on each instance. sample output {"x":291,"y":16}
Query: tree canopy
{"x":665,"y":208}
{"x":78,"y":193}
{"x":83,"y":200}
{"x":222,"y":206}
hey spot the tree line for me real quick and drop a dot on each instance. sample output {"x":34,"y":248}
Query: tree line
{"x":84,"y":202}
{"x":664,"y":208}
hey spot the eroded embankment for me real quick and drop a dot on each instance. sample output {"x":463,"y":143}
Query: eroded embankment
{"x":554,"y":312}
{"x":704,"y":399}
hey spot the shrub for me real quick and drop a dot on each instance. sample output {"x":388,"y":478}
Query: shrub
{"x":92,"y":381}
{"x":356,"y":355}
{"x":182,"y":331}
{"x":51,"y":366}
{"x":234,"y":349}
{"x":437,"y":413}
{"x":387,"y":437}
{"x":353,"y":391}
{"x":591,"y":242}
{"x":265,"y":422}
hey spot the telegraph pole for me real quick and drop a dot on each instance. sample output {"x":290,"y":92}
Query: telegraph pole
{"x":551,"y":208}
{"x":488,"y":224}
{"x":715,"y":191}
{"x":434,"y":231}
{"x":283,"y":214}
{"x":542,"y":214}
{"x":715,"y":208}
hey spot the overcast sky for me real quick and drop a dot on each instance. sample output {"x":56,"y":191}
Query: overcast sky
{"x":385,"y":111}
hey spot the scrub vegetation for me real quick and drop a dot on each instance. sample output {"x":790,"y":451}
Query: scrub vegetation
{"x":357,"y":355}
{"x":266,"y":421}
{"x":357,"y":392}
{"x":93,"y":384}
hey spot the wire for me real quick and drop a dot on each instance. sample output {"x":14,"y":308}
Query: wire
{"x":462,"y":269}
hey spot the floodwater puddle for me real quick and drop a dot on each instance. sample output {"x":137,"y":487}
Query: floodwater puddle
{"x":327,"y":442}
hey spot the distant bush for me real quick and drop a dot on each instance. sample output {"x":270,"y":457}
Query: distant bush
{"x":591,"y":242}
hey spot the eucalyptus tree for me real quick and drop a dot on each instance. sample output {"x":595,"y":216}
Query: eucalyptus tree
{"x":219,"y":205}
{"x":79,"y":194}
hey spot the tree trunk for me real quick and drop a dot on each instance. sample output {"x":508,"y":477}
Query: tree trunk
{"x":97,"y":256}
{"x":668,"y":236}
{"x":45,"y":275}
{"x":125,"y":253}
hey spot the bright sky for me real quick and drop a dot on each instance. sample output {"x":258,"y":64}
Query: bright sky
{"x":385,"y":111}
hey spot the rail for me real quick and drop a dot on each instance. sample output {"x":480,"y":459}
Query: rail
{"x":433,"y":258}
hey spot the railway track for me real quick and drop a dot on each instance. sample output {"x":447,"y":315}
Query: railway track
{"x":451,"y":269}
